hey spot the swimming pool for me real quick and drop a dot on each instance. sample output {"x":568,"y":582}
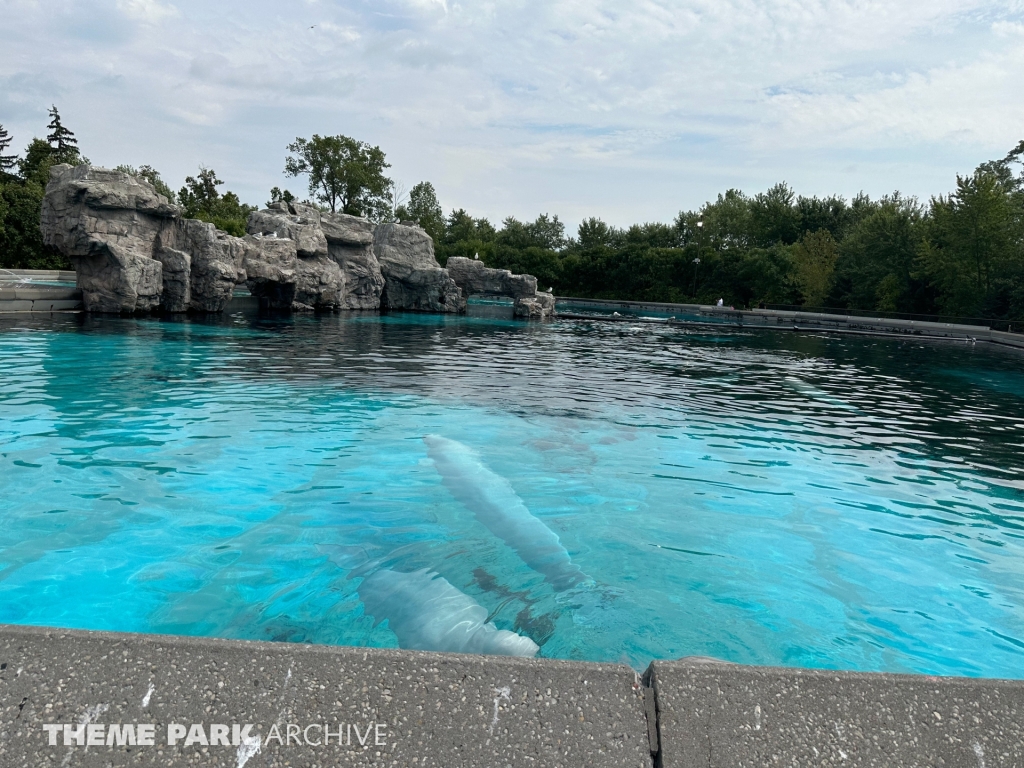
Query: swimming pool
{"x":759,"y":497}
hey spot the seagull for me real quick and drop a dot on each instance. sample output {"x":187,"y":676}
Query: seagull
{"x":313,"y":27}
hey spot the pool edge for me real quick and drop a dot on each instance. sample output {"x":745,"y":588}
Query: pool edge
{"x":455,"y":710}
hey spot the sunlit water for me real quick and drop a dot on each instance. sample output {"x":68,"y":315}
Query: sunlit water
{"x":764,"y":498}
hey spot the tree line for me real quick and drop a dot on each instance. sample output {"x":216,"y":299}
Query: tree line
{"x":960,"y":254}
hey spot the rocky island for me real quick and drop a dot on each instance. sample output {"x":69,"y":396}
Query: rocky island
{"x":134,"y":252}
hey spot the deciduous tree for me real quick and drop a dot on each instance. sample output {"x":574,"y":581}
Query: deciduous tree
{"x":343,"y":173}
{"x":200,"y":200}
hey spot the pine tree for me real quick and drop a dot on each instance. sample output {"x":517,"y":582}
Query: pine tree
{"x":62,"y":140}
{"x":7,"y":162}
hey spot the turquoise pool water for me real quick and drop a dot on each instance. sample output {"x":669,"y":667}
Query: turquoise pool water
{"x":765,"y":498}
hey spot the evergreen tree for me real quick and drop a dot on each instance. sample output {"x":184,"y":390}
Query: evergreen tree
{"x":7,"y":162}
{"x":61,"y":140}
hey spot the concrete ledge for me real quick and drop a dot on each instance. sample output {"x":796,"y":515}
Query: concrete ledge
{"x":64,"y":275}
{"x":724,"y":715}
{"x":39,"y":299}
{"x":426,"y":709}
{"x":1007,"y":339}
{"x":435,"y":709}
{"x":47,"y":293}
{"x":805,"y":321}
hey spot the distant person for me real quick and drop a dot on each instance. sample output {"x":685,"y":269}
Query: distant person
{"x":721,"y":302}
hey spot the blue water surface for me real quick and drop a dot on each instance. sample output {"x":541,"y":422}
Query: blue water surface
{"x":760,"y":497}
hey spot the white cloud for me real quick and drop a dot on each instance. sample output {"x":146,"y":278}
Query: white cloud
{"x":149,"y":11}
{"x":630,"y":109}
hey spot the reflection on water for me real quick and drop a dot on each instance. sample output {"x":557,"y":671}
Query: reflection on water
{"x":761,"y":497}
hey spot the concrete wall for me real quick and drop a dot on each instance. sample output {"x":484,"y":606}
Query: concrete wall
{"x":18,"y":298}
{"x":453,"y":711}
{"x":805,"y":321}
{"x":64,"y":275}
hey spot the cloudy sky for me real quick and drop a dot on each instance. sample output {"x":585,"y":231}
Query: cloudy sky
{"x":625,"y":109}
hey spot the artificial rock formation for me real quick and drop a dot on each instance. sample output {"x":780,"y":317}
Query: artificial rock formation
{"x":292,"y":269}
{"x":133,"y":252}
{"x":131,"y":249}
{"x":107,"y":223}
{"x":412,"y":277}
{"x":538,"y":307}
{"x":334,"y":265}
{"x":350,"y":245}
{"x":476,"y":279}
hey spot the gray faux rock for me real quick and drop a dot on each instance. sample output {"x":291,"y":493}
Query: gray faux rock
{"x":133,"y":253}
{"x":293,"y":221}
{"x":412,"y":277}
{"x":177,"y":273}
{"x":539,"y":307}
{"x":319,"y":283}
{"x":317,"y":279}
{"x":270,"y":270}
{"x":216,"y":264}
{"x":476,"y":279}
{"x":107,"y":223}
{"x":350,"y":245}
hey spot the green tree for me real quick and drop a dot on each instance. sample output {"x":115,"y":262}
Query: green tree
{"x":200,"y":199}
{"x":881,"y":244}
{"x":343,"y":173}
{"x":424,"y":208}
{"x":277,"y":196}
{"x":814,"y":262}
{"x":594,"y":233}
{"x":34,"y":164}
{"x":21,"y":202}
{"x":726,"y":223}
{"x":62,"y":141}
{"x":7,"y":162}
{"x":973,"y":250}
{"x":831,"y":214}
{"x":150,"y":174}
{"x":466,"y":236}
{"x":775,"y":217}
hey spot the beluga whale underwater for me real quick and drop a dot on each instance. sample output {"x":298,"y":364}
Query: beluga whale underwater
{"x":427,"y":613}
{"x":816,"y":393}
{"x":491,"y":498}
{"x":423,"y":609}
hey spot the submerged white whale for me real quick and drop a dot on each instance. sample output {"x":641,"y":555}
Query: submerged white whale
{"x":494,"y":502}
{"x":816,"y":393}
{"x":427,"y":613}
